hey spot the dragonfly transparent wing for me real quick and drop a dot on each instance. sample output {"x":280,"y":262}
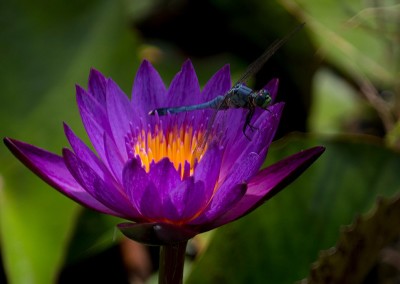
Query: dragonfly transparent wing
{"x":254,"y":67}
{"x":251,"y":70}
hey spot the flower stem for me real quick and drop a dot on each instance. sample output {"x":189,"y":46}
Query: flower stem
{"x":172,"y":259}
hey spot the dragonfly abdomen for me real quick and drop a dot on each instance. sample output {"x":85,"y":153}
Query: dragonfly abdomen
{"x":213,"y":104}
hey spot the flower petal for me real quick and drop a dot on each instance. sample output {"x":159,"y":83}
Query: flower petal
{"x":51,"y":168}
{"x":222,"y":202}
{"x":218,"y":85}
{"x":97,"y":86}
{"x":148,"y":89}
{"x":82,"y":151}
{"x":240,"y":148}
{"x":136,"y":182}
{"x":241,"y":171}
{"x":95,"y":123}
{"x":269,"y":182}
{"x":184,"y":89}
{"x":102,"y":188}
{"x":208,"y":170}
{"x":120,"y":115}
{"x":114,"y":158}
{"x":147,"y":191}
{"x":175,"y":204}
{"x":165,"y":178}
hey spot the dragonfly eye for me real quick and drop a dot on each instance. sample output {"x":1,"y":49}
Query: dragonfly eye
{"x":263,"y":100}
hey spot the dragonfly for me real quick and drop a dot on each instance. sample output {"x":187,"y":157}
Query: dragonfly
{"x":239,"y":96}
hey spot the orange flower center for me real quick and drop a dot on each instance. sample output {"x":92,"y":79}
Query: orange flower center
{"x":179,"y":145}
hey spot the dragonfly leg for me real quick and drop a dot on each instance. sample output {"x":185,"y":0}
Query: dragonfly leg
{"x":249,"y":116}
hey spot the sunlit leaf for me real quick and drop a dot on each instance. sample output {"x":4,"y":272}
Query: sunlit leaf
{"x":49,"y":47}
{"x":357,"y":38}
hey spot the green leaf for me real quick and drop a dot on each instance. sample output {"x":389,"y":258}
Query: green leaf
{"x":278,"y":242}
{"x":355,"y":37}
{"x":48,"y":47}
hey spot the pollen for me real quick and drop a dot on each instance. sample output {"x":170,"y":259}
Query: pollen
{"x":179,"y":145}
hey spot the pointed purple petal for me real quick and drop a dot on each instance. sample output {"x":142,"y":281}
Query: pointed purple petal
{"x":101,"y":186}
{"x":120,"y":115}
{"x":135,"y":181}
{"x":184,"y":88}
{"x":218,"y":85}
{"x":148,"y":89}
{"x":208,"y":171}
{"x":51,"y":168}
{"x":195,"y":200}
{"x":241,"y":171}
{"x":224,"y":198}
{"x":269,"y":182}
{"x":93,"y":126}
{"x":92,"y":106}
{"x":97,"y":86}
{"x":165,"y":178}
{"x":82,"y":151}
{"x":222,"y":202}
{"x":142,"y":191}
{"x":267,"y":125}
{"x":114,"y":158}
{"x":176,"y":201}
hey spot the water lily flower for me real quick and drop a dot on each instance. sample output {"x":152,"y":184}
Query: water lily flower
{"x":144,"y":170}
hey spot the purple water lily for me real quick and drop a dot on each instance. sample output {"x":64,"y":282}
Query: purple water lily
{"x":145,"y":171}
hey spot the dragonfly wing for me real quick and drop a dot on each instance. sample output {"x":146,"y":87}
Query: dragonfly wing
{"x":213,"y":131}
{"x":254,"y":67}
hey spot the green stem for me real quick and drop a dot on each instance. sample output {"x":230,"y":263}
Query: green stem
{"x":172,"y":259}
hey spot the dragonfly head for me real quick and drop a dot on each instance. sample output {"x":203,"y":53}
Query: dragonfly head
{"x":263,"y":99}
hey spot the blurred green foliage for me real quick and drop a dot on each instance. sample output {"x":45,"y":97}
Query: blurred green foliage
{"x":338,"y":76}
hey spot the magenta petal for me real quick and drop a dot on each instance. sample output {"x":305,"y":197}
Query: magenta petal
{"x":222,"y":202}
{"x":82,"y":151}
{"x":156,"y":234}
{"x":114,"y":158}
{"x":224,"y":198}
{"x":148,"y":89}
{"x":176,"y":202}
{"x":195,"y":200}
{"x":136,"y":182}
{"x":102,"y":188}
{"x":51,"y":168}
{"x":93,"y":107}
{"x":269,"y":182}
{"x":184,"y":88}
{"x":120,"y":115}
{"x":267,"y":125}
{"x":164,"y":176}
{"x":166,"y":179}
{"x":208,"y":170}
{"x":241,"y":171}
{"x":97,"y":86}
{"x":186,"y":200}
{"x":94,"y":128}
{"x":146,"y":191}
{"x":219,"y":84}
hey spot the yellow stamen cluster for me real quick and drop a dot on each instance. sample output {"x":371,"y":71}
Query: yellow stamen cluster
{"x":177,"y":144}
